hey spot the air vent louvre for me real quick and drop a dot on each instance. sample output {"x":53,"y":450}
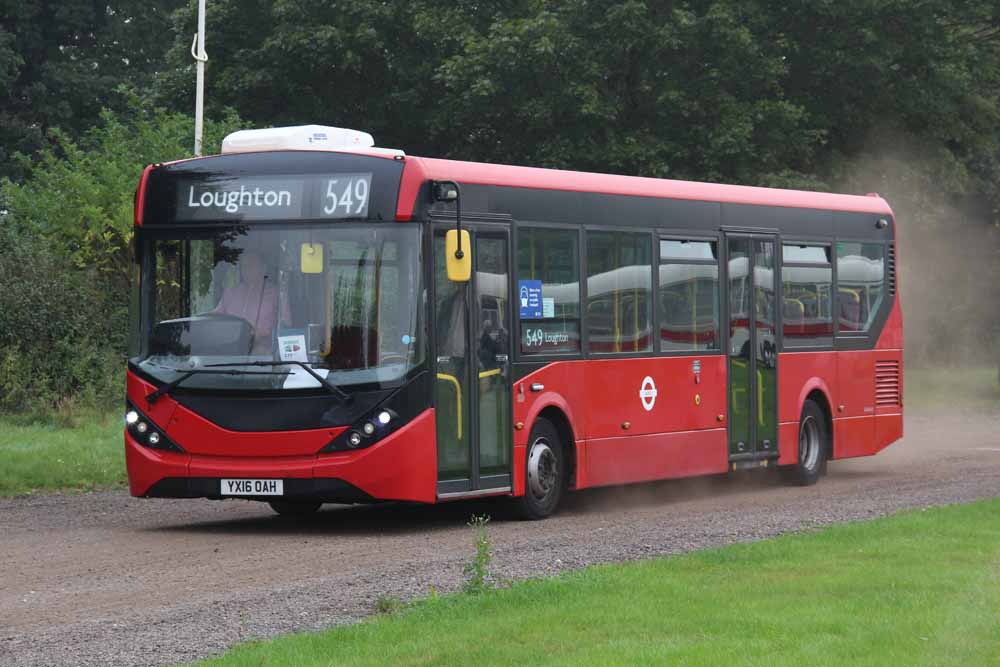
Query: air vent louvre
{"x":892,"y":269}
{"x":887,"y":389}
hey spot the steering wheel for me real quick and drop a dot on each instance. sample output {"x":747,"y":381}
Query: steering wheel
{"x":227,"y":316}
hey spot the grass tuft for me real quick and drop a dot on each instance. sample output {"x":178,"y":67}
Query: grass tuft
{"x":477,"y":571}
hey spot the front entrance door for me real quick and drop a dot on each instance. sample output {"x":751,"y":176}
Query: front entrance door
{"x":753,"y":351}
{"x":472,"y":395}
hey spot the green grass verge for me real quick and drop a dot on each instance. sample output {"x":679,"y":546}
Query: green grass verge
{"x":936,"y":390}
{"x":46,"y":456}
{"x":921,"y":588}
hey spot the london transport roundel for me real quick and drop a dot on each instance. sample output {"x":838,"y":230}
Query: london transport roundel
{"x":648,"y":393}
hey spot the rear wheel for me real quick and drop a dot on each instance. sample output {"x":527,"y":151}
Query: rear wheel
{"x":545,"y":474}
{"x":294,"y":509}
{"x":814,"y":442}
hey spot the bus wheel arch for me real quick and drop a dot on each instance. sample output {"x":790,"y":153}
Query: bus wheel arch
{"x":813,"y":442}
{"x":819,"y":397}
{"x":558,"y":418}
{"x":547,"y":465}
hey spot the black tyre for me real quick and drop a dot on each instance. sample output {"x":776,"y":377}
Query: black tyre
{"x":814,"y":447}
{"x":294,"y":509}
{"x":545,"y":473}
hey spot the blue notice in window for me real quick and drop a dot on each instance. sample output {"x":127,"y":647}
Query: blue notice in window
{"x":530,"y":296}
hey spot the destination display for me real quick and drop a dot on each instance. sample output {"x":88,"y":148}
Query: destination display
{"x":329,"y":196}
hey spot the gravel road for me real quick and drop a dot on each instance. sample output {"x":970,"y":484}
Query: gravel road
{"x":105,"y":579}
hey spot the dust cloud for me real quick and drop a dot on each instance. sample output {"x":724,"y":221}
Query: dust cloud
{"x":948,"y":252}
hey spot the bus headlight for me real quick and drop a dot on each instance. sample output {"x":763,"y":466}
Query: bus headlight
{"x":382,"y":420}
{"x":145,"y":431}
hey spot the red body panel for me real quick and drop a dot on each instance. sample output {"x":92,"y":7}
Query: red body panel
{"x":147,"y":466}
{"x":853,"y":436}
{"x":140,"y":196}
{"x":679,"y":436}
{"x":659,"y":456}
{"x":400,"y":467}
{"x":888,"y":429}
{"x":799,"y":374}
{"x":681,"y":405}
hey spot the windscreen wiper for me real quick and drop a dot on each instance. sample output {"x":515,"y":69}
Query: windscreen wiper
{"x":332,"y":388}
{"x":155,"y":395}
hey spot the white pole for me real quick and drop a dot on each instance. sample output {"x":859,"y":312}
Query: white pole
{"x":200,"y":56}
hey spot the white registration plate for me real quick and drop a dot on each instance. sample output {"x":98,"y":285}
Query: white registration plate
{"x":252,"y":487}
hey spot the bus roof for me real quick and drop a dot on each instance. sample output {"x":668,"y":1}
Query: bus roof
{"x":419,"y":170}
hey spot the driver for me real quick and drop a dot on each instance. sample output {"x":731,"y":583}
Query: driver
{"x":255,"y":299}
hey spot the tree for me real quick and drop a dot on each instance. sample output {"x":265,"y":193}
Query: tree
{"x":79,"y":196}
{"x":751,"y":92}
{"x":64,"y":264}
{"x":60,"y":62}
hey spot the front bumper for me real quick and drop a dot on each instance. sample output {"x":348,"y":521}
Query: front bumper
{"x":403,"y":466}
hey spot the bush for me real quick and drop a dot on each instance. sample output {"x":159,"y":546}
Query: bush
{"x":62,"y":333}
{"x":64,"y":261}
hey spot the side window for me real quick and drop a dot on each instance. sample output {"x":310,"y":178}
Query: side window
{"x":689,"y":296}
{"x":807,"y":295}
{"x":860,"y":284}
{"x":619,"y":292}
{"x":548,"y":286}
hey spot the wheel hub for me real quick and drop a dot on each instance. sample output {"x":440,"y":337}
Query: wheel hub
{"x":543,"y":473}
{"x":809,"y":444}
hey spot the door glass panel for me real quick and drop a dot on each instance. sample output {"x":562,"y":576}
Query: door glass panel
{"x":765,"y":344}
{"x":451,"y":385}
{"x":492,"y":286}
{"x":739,"y":345}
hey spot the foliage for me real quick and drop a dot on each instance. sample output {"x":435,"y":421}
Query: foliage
{"x":62,"y":332}
{"x":79,"y":197}
{"x":61,"y":61}
{"x":914,"y":589}
{"x":64,"y":256}
{"x":477,"y":571}
{"x":748,"y":92}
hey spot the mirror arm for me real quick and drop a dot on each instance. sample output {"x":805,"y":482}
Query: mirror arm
{"x":459,"y":254}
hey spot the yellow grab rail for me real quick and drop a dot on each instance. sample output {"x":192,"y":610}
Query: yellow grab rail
{"x":760,"y":398}
{"x":458,"y":398}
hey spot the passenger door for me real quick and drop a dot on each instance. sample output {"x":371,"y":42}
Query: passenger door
{"x":472,"y":351}
{"x":751,"y":279}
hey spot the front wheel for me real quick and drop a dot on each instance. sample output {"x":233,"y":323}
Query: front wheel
{"x":292,"y":509}
{"x":813,"y":447}
{"x":545,"y":474}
